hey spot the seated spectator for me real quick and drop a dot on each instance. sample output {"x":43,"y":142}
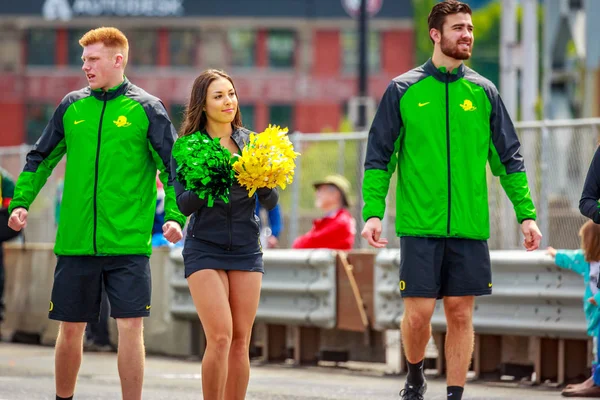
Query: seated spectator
{"x":337,"y":228}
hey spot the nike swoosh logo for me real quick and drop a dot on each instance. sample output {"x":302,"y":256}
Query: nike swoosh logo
{"x":78,"y":122}
{"x":423,"y":104}
{"x":489,"y":285}
{"x":148,"y":307}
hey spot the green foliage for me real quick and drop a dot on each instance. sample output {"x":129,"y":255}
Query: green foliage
{"x":486,"y":49}
{"x":317,"y":160}
{"x":346,"y":125}
{"x":423,"y":45}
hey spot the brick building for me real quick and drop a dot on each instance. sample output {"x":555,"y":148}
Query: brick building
{"x":294,"y":62}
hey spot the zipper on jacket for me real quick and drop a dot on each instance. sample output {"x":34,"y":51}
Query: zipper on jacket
{"x":193,"y":226}
{"x":229,"y":223}
{"x":448,"y":149}
{"x":96,"y":174}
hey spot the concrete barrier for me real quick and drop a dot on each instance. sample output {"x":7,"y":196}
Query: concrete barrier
{"x":28,"y":286}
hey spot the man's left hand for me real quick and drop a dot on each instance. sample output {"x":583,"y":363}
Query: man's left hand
{"x":532,"y":234}
{"x":172,"y":231}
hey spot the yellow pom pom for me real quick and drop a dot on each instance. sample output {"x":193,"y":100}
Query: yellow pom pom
{"x":266,"y":161}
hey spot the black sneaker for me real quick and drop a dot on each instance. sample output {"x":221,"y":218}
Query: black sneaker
{"x":413,"y":393}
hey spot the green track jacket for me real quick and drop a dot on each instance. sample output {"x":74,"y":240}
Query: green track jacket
{"x":7,"y":188}
{"x":114,"y":142}
{"x":440,"y":129}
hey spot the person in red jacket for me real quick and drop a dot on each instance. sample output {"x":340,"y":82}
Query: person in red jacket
{"x":337,"y":229}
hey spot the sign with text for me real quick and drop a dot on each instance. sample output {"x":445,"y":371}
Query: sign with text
{"x":65,"y":9}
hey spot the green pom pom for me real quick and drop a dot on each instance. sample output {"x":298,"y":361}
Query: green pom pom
{"x":204,"y":166}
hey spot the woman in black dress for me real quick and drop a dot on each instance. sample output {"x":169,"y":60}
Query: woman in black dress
{"x":222,"y":253}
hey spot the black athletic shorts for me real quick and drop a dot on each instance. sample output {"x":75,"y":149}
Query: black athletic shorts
{"x":439,"y":267}
{"x":77,"y":290}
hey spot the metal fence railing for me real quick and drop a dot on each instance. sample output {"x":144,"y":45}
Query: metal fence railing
{"x":557,"y":155}
{"x":299,"y":289}
{"x":41,"y":222}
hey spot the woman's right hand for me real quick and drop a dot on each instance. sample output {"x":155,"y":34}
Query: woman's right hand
{"x":551,"y":251}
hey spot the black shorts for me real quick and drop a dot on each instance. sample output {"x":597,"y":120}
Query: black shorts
{"x":199,"y":255}
{"x":77,"y":290}
{"x":439,"y":267}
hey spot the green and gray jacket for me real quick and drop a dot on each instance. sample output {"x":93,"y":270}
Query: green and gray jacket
{"x":7,"y":188}
{"x":114,"y":141}
{"x":440,"y":129}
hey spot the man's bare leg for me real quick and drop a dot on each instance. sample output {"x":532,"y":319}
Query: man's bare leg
{"x":131,"y":357}
{"x":415,"y":329}
{"x":459,"y":340}
{"x":67,"y":358}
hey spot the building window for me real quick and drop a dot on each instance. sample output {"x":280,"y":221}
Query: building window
{"x":281,"y":45}
{"x":242,"y":47}
{"x":10,"y":56}
{"x":350,"y":51}
{"x":248,"y":116}
{"x":182,"y":48}
{"x":143,"y":48}
{"x":41,"y":44}
{"x":75,"y":49}
{"x":37,"y":117}
{"x":281,"y":115}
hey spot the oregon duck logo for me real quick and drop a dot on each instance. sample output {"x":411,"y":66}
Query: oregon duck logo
{"x":467,"y":105}
{"x":121,"y":122}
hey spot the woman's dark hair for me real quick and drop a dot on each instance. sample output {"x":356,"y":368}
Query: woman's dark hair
{"x":194,"y":116}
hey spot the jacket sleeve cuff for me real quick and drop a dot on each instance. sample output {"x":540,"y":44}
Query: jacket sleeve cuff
{"x":13,"y":206}
{"x":268,"y":198}
{"x":176,"y":221}
{"x":526,"y":219}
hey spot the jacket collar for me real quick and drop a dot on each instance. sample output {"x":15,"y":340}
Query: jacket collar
{"x":441,"y":74}
{"x":241,"y":136}
{"x":113,"y":92}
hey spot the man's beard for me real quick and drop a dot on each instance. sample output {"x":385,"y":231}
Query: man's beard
{"x":451,"y":50}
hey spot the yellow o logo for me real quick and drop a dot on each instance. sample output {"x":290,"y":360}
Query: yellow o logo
{"x":402,"y":285}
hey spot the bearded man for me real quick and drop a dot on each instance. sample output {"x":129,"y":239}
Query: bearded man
{"x":439,"y":125}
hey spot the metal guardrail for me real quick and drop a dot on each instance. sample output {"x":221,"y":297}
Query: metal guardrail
{"x":531,"y":297}
{"x":557,"y":154}
{"x":298,"y":288}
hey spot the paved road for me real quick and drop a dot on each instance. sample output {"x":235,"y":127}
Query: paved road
{"x":26,"y":372}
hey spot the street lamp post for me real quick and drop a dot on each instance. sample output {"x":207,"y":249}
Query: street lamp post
{"x":362,"y":94}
